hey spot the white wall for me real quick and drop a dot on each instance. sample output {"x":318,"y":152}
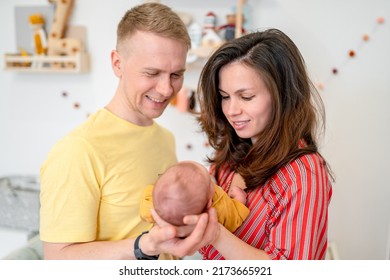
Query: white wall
{"x":33,"y":115}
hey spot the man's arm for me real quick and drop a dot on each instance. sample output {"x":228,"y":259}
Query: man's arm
{"x":108,"y":250}
{"x":160,"y":239}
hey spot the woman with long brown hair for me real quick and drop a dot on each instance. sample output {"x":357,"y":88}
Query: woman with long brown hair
{"x":262,"y":115}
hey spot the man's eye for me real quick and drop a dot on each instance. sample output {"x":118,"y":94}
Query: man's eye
{"x":176,"y":76}
{"x":151,"y":74}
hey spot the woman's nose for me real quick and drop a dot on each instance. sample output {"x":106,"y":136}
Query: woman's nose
{"x":234,"y":107}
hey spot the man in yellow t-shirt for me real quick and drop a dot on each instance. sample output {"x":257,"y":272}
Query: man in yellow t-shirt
{"x":108,"y":160}
{"x":93,"y":179}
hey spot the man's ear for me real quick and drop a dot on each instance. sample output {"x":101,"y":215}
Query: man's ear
{"x":116,"y":61}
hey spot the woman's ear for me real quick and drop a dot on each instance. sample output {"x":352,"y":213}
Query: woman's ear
{"x":116,"y":61}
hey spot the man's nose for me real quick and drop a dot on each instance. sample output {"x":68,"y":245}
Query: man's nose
{"x":164,"y":86}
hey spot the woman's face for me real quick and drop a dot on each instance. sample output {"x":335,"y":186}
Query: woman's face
{"x":246,"y":101}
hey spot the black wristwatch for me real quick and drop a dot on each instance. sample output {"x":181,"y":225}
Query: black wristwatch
{"x":139,"y":255}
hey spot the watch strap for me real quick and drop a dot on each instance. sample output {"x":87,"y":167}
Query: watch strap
{"x":139,"y":255}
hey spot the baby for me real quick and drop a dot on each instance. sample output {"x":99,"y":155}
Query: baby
{"x":186,"y":188}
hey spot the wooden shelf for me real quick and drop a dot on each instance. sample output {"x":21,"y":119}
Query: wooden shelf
{"x":78,"y":63}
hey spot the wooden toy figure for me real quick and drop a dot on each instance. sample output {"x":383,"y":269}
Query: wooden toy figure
{"x":58,"y":44}
{"x":37,"y":22}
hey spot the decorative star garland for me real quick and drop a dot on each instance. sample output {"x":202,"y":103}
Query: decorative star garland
{"x":76,"y":105}
{"x":352,"y":53}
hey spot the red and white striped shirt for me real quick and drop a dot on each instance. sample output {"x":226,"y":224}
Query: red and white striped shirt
{"x":289,"y":214}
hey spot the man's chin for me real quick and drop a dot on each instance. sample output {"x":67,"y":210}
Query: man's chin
{"x":155,"y":116}
{"x":157,"y":113}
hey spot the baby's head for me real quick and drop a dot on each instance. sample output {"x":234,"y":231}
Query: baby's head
{"x":184,"y":189}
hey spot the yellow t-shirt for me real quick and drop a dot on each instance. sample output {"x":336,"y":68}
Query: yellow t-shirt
{"x":93,"y":179}
{"x":231,"y":213}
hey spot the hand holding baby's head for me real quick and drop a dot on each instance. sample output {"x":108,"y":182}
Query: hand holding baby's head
{"x":184,"y":189}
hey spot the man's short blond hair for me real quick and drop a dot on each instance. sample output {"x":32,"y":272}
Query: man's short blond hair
{"x":155,"y":18}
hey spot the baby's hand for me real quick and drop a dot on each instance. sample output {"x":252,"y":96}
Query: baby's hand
{"x":237,"y":193}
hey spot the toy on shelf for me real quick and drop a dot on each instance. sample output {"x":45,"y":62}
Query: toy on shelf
{"x":61,"y":51}
{"x":213,"y":36}
{"x":195,"y":32}
{"x":209,"y":22}
{"x":24,"y":53}
{"x":228,"y":30}
{"x":209,"y":39}
{"x":37,"y":23}
{"x":58,"y":44}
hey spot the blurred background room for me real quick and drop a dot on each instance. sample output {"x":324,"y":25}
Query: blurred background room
{"x":346,"y":48}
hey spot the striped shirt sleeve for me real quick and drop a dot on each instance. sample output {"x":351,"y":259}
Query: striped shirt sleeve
{"x":298,"y":200}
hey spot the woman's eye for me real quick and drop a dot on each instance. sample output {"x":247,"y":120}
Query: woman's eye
{"x":247,"y":98}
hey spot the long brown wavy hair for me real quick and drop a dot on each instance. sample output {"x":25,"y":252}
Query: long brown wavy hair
{"x":297,"y":117}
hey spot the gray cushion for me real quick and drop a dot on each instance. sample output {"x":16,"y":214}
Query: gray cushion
{"x":31,"y":251}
